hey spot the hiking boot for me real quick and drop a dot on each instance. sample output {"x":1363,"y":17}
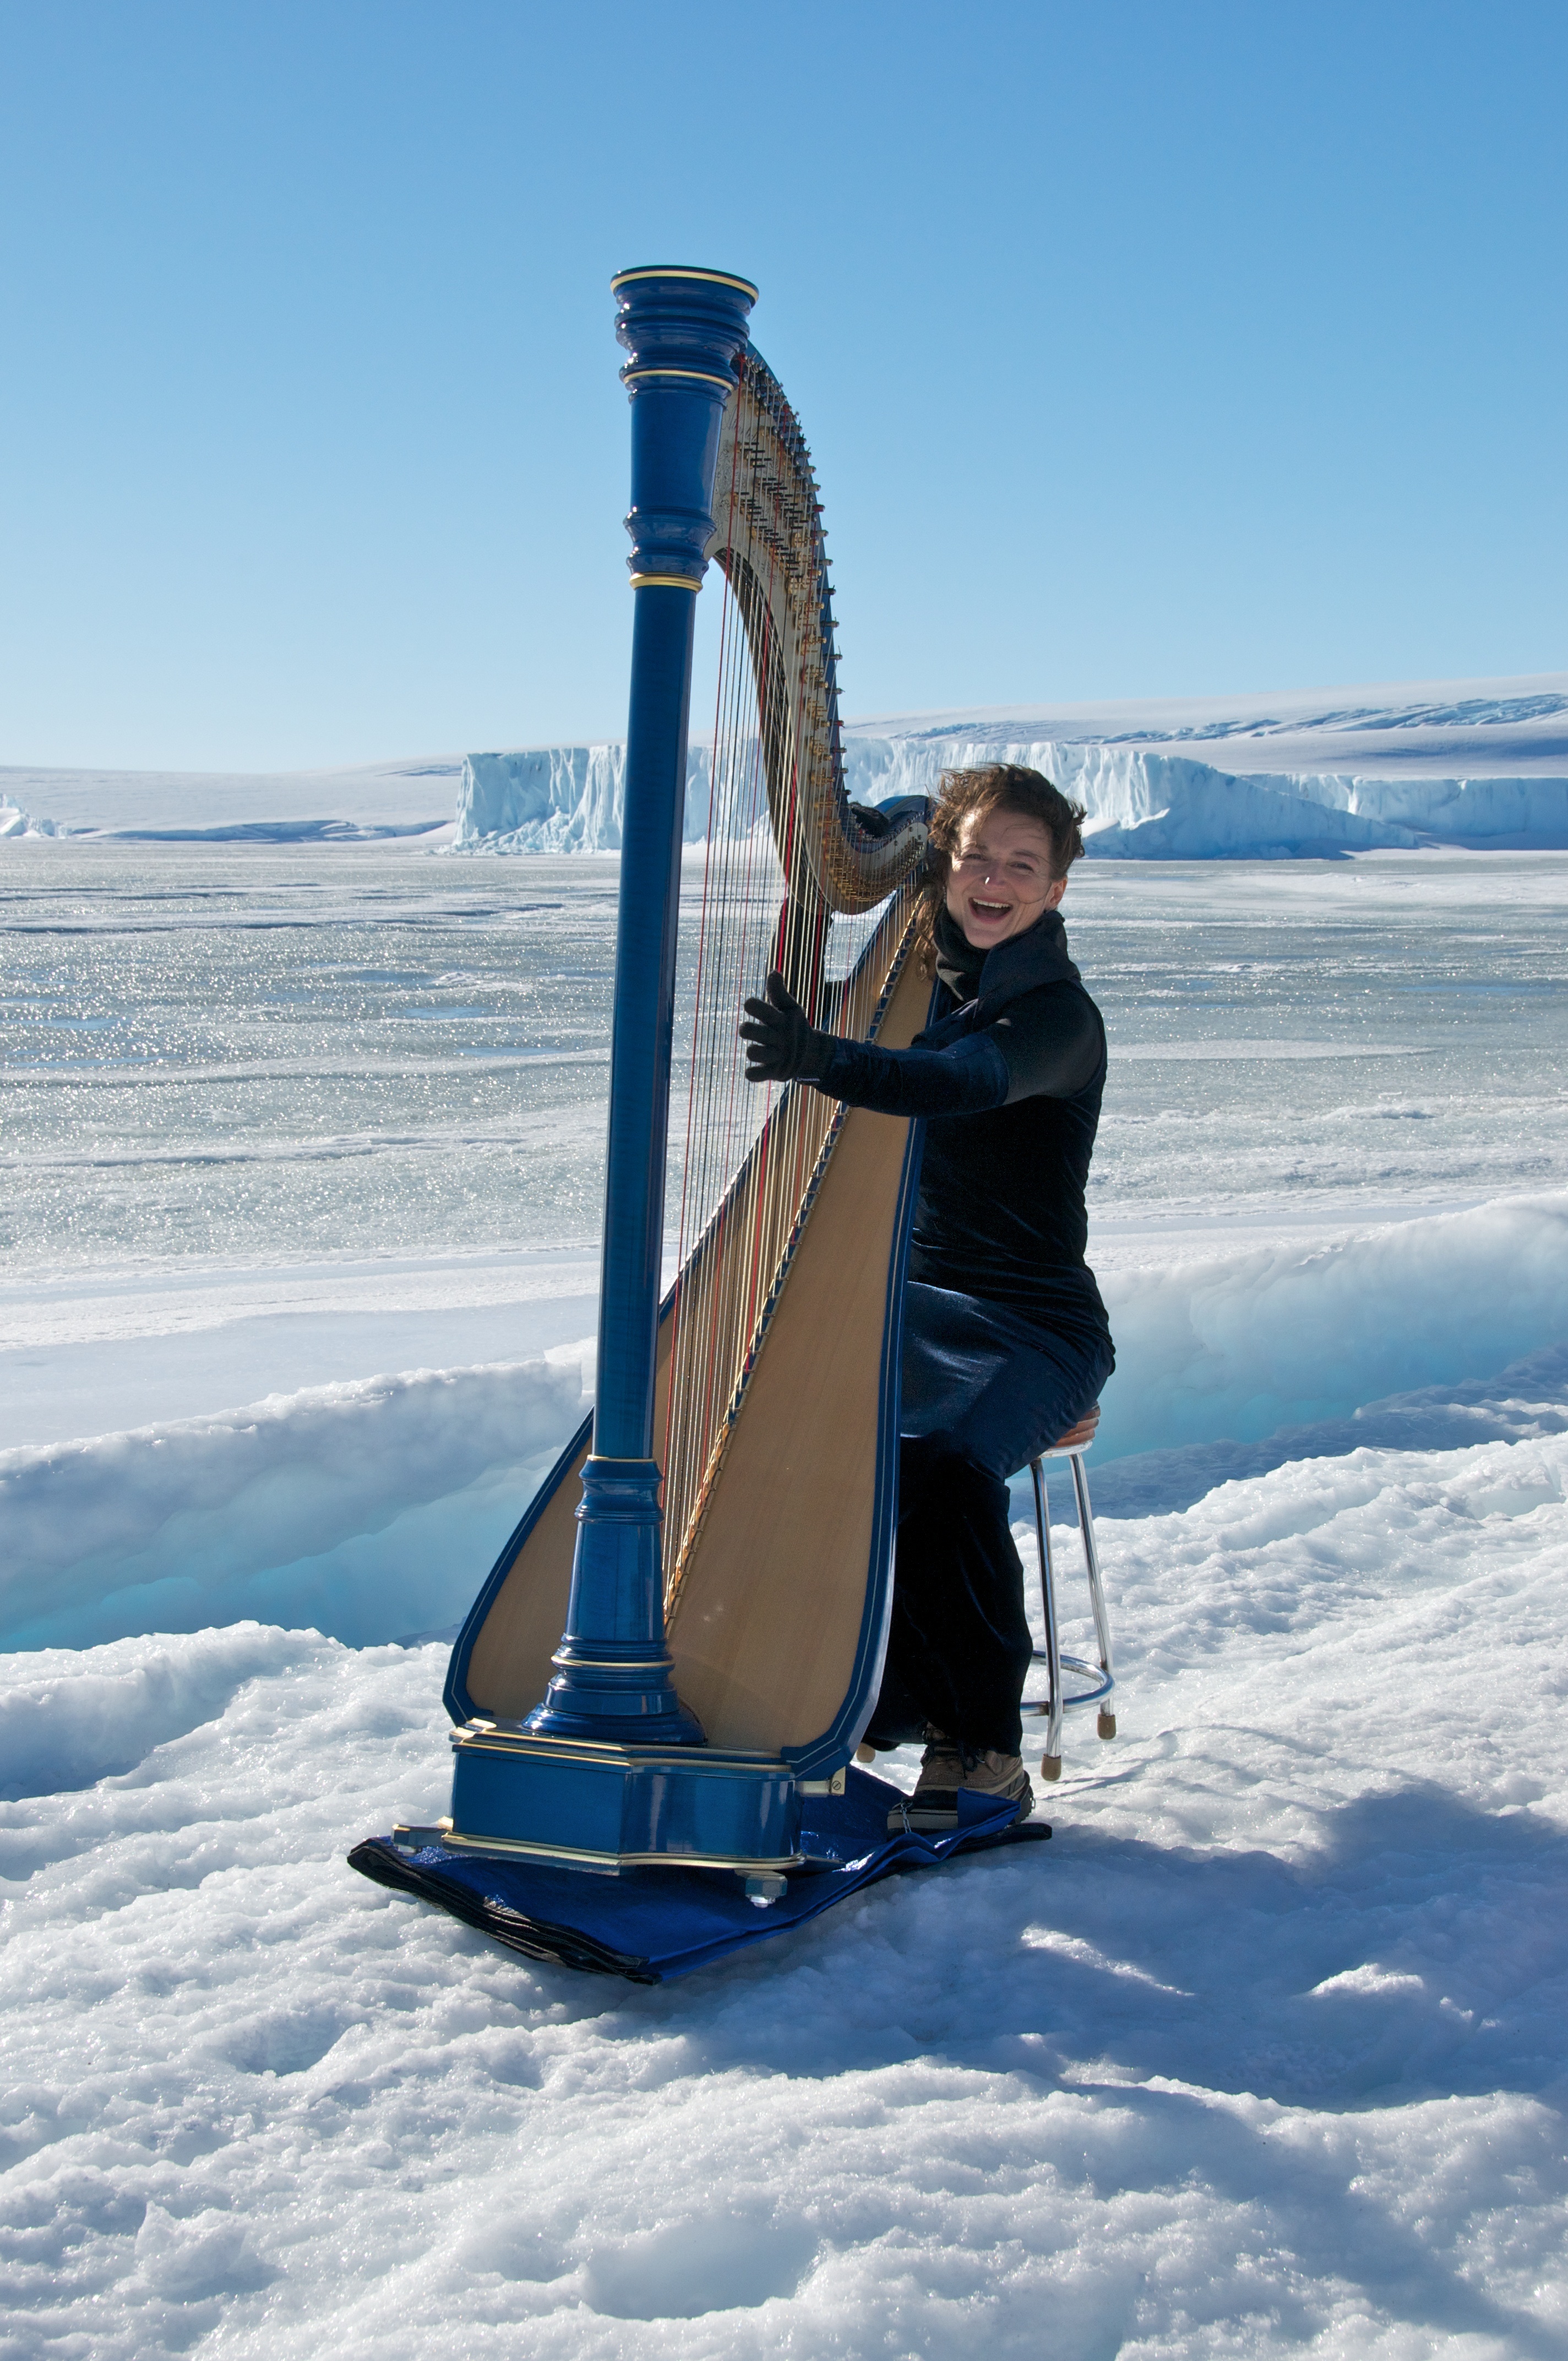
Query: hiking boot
{"x":933,"y":1806}
{"x":935,"y":1803}
{"x":1001,"y":1778}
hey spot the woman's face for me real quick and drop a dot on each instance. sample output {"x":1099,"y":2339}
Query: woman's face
{"x":999,"y":878}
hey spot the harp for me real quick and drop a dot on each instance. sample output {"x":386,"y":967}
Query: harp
{"x":685,"y":1632}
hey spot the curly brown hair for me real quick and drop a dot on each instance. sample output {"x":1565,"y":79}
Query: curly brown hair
{"x":968,"y":794}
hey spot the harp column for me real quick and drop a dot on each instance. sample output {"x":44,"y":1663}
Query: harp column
{"x":682,"y":330}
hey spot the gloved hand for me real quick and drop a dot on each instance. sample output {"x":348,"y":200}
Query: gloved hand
{"x":782,"y":1043}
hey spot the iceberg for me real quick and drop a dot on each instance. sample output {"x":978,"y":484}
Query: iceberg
{"x":1461,"y":764}
{"x":15,"y":822}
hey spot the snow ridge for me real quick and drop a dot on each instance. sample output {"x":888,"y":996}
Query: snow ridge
{"x":371,"y":1508}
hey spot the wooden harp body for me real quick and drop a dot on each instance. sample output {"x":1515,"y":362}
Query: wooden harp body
{"x":688,"y":1625}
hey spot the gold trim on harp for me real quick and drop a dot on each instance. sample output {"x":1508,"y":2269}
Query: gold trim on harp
{"x":575,"y":1856}
{"x":703,"y":376}
{"x":619,"y":1664}
{"x":674,"y":270}
{"x":662,"y":582}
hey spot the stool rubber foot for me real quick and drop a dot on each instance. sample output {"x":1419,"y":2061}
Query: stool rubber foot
{"x":1105,"y":1724}
{"x":1050,"y":1766}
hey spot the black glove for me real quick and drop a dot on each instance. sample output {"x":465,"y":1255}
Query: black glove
{"x":781,"y":1042}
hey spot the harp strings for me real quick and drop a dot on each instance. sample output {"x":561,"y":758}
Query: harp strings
{"x":751,"y":1153}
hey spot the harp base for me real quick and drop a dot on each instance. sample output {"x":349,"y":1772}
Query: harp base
{"x":649,"y":1924}
{"x":604,"y":1806}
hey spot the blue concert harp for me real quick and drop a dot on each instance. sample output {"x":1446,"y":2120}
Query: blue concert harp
{"x":685,"y":1632}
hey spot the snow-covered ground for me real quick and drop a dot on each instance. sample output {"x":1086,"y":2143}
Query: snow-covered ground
{"x":412,"y":797}
{"x":1262,"y":2055}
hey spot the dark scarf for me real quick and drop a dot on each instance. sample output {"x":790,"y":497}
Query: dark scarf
{"x":983,"y":983}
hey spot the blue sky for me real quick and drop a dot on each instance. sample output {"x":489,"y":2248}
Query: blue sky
{"x":1143,"y":350}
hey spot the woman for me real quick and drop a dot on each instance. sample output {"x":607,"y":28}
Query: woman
{"x":1006,"y":1343}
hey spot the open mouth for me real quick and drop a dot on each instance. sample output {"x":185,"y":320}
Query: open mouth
{"x":989,"y":909}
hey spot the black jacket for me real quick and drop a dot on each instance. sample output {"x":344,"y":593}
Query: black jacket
{"x":1008,"y":1076}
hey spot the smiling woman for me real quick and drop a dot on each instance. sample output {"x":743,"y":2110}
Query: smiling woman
{"x":1001,"y":876}
{"x":1006,"y":1339}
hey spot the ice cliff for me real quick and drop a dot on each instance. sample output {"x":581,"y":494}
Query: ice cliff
{"x":1479,"y":763}
{"x":1143,"y":803}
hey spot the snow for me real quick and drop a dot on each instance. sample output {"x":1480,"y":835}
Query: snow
{"x":409,"y":797}
{"x":1261,"y":2056}
{"x":371,"y":1507}
{"x":15,"y":822}
{"x":1248,"y":1343}
{"x":1481,"y":764}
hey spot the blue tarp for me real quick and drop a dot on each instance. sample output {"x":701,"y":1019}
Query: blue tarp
{"x":651,"y":1924}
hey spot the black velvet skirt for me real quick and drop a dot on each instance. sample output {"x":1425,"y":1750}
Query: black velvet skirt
{"x":985,"y":1390}
{"x":998,"y":1385}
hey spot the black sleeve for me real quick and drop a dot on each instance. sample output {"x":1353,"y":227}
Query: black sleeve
{"x":966,"y":1078}
{"x":1048,"y":1044}
{"x":1050,"y":1041}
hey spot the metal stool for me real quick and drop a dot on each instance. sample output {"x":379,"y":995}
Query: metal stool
{"x":1070,"y":1446}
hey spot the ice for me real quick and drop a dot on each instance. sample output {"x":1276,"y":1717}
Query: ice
{"x":557,"y":799}
{"x":1398,"y":729}
{"x":1261,"y":2055}
{"x":1329,"y":772}
{"x":1477,"y":763}
{"x":400,"y":799}
{"x":1142,"y":805}
{"x":15,"y":822}
{"x":1527,"y":1399}
{"x":238,"y":1056}
{"x":371,"y":1508}
{"x":1248,"y":1343}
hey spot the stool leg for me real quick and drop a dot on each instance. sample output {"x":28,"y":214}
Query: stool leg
{"x":1105,"y":1722}
{"x":1050,"y":1764}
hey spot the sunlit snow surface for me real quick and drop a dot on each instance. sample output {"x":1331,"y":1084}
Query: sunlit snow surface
{"x":1263,"y":2054}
